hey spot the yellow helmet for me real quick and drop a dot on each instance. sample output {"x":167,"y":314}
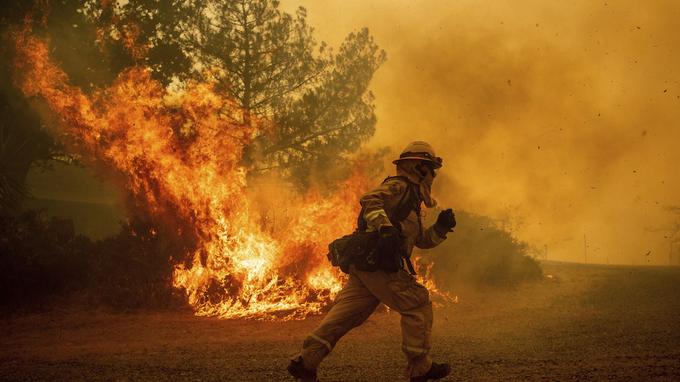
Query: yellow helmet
{"x":421,"y":151}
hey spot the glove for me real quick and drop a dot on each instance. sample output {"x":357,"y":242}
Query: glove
{"x":445,"y":221}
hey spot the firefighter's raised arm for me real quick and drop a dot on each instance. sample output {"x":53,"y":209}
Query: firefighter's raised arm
{"x":436,"y":233}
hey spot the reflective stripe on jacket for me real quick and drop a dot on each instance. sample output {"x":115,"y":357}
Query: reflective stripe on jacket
{"x":383,"y":201}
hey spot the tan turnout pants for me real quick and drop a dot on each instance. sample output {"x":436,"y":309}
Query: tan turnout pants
{"x":355,"y":303}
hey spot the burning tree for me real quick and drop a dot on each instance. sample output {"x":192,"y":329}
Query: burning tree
{"x":183,"y":148}
{"x":264,"y":59}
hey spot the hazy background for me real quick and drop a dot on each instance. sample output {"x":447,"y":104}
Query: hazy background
{"x":558,"y":119}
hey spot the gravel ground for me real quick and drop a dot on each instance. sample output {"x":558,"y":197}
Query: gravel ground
{"x":600,"y":323}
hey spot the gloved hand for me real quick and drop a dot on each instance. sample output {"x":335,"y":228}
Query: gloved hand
{"x":445,"y":221}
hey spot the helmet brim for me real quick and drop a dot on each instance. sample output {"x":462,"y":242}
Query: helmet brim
{"x":436,"y":163}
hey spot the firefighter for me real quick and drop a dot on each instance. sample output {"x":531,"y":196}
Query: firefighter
{"x":416,"y":169}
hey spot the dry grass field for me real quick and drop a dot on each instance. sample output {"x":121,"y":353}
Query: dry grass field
{"x":597,"y":323}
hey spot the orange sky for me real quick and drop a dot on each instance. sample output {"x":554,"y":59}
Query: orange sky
{"x":559,"y":117}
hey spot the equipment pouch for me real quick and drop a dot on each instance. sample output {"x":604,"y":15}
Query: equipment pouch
{"x":389,"y":254}
{"x":358,"y":248}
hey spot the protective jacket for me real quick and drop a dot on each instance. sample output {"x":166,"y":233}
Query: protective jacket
{"x":381,"y":206}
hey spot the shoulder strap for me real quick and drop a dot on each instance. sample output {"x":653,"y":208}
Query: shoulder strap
{"x":400,"y":177}
{"x":410,"y":201}
{"x":403,"y":201}
{"x":361,"y":222}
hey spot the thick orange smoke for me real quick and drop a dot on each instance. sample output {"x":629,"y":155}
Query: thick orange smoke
{"x":560,"y":118}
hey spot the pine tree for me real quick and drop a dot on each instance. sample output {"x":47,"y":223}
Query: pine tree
{"x":268,"y":61}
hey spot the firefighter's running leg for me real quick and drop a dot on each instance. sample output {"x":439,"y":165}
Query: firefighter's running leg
{"x":353,"y":305}
{"x":400,"y":292}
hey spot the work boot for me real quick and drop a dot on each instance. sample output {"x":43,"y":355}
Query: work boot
{"x":297,"y":369}
{"x":437,"y":371}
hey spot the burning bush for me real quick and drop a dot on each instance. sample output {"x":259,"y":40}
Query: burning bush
{"x":178,"y":154}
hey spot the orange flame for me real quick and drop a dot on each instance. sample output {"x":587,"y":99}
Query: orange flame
{"x":179,"y":153}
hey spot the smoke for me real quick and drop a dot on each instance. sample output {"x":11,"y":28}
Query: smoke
{"x":559,"y":119}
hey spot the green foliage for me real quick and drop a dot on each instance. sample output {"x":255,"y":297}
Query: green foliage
{"x":78,"y":46}
{"x":268,"y":62}
{"x":23,"y":140}
{"x":12,"y":190}
{"x":479,"y":253}
{"x":316,"y":102}
{"x":42,"y":259}
{"x":39,"y":257}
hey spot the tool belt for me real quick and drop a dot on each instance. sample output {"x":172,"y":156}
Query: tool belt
{"x":362,"y":248}
{"x":358,"y":248}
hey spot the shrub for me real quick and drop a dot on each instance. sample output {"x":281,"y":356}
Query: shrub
{"x":42,"y":258}
{"x":479,"y":253}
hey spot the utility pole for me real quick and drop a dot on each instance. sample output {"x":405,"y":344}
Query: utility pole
{"x":585,"y":249}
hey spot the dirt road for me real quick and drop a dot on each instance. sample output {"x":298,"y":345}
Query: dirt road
{"x":586,"y":323}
